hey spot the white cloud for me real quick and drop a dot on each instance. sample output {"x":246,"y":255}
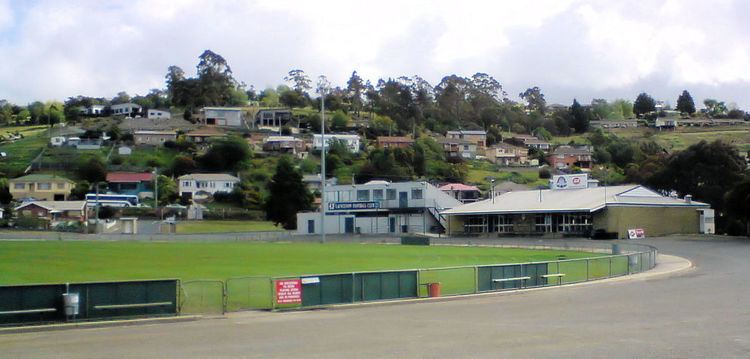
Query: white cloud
{"x":56,"y":49}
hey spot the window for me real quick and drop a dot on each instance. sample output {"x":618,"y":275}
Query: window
{"x":19,"y":185}
{"x":61,"y":186}
{"x":390,"y":194}
{"x":466,"y":147}
{"x":45,"y":186}
{"x":504,"y":224}
{"x":416,"y":193}
{"x":228,"y":184}
{"x":363,"y":195}
{"x":377,"y":195}
{"x":543,"y":223}
{"x":474,"y":224}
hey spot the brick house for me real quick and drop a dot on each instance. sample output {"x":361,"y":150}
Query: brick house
{"x":394,"y":142}
{"x":54,"y":211}
{"x":508,"y":155}
{"x":569,"y":156}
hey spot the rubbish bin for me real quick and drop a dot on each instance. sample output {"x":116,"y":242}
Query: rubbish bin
{"x":433,"y":289}
{"x":615,"y":249}
{"x":70,"y":303}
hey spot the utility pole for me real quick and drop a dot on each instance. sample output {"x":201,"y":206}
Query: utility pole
{"x":156,"y":189}
{"x":323,"y":204}
{"x":96,"y":209}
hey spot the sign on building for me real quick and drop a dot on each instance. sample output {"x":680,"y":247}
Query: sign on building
{"x":289,"y":291}
{"x":348,"y":206}
{"x":570,"y":181}
{"x":637,"y":233}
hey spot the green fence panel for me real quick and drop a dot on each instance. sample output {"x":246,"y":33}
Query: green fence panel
{"x":102,"y":300}
{"x":408,"y":285}
{"x":202,"y":297}
{"x":494,"y":278}
{"x":453,"y":281}
{"x":335,"y":289}
{"x":41,"y":303}
{"x":249,"y":293}
{"x":385,"y":285}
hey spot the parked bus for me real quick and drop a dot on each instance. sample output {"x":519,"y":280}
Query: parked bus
{"x":112,"y":200}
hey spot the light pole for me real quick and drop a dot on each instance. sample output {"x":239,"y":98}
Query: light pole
{"x":492,"y":189}
{"x":322,"y":85}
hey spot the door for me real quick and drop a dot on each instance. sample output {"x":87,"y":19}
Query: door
{"x":310,"y":226}
{"x":403,"y":199}
{"x":349,"y":225}
{"x":392,"y":225}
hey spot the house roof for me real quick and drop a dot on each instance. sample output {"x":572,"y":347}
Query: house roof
{"x":281,"y":139}
{"x":37,"y":177}
{"x":222,"y":108}
{"x":468,"y":132}
{"x":535,"y":141}
{"x":129,"y":177}
{"x":458,"y":141}
{"x":572,"y":200}
{"x":457,"y":187}
{"x":209,"y":177}
{"x":206,"y":132}
{"x":151,"y":132}
{"x":570,"y":150}
{"x":56,"y":205}
{"x":395,"y":139}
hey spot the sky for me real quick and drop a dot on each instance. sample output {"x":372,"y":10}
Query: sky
{"x":51,"y":50}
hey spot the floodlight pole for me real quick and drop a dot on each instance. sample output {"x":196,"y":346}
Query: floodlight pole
{"x":323,"y":166}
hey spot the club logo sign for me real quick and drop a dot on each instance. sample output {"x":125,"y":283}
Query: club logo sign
{"x":636,"y":233}
{"x":570,"y":181}
{"x":349,"y":206}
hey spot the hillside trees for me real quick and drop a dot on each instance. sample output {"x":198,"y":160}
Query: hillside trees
{"x":643,"y":104}
{"x":288,"y":195}
{"x":213,"y":86}
{"x":685,"y":103}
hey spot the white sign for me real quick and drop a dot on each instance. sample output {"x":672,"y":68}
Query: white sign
{"x":636,"y":233}
{"x":311,"y":280}
{"x":570,"y":181}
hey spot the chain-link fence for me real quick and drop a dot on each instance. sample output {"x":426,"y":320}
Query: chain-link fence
{"x":257,"y":292}
{"x":203,"y":297}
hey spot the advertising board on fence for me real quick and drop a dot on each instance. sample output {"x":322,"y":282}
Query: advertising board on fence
{"x":570,"y":181}
{"x":289,"y":291}
{"x":636,"y":233}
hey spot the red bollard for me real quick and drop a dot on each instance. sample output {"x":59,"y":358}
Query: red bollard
{"x":433,"y":289}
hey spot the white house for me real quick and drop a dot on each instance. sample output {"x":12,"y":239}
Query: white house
{"x":125,"y":109}
{"x":222,"y":116}
{"x":93,"y":110}
{"x":201,"y":185}
{"x":380,"y":207}
{"x":352,"y":141}
{"x":159,"y":114}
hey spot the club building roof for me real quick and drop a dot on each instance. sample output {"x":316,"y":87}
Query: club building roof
{"x":572,"y":200}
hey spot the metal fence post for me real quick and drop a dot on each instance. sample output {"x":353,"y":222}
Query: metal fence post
{"x":610,"y":268}
{"x":587,"y":269}
{"x":476,"y":279}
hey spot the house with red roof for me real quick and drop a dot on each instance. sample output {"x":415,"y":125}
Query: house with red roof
{"x":134,"y":183}
{"x":463,"y":193}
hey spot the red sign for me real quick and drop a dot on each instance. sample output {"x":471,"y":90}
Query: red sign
{"x":289,"y":291}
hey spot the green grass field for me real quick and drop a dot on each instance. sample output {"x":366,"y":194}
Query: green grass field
{"x":55,"y":261}
{"x":208,"y":226}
